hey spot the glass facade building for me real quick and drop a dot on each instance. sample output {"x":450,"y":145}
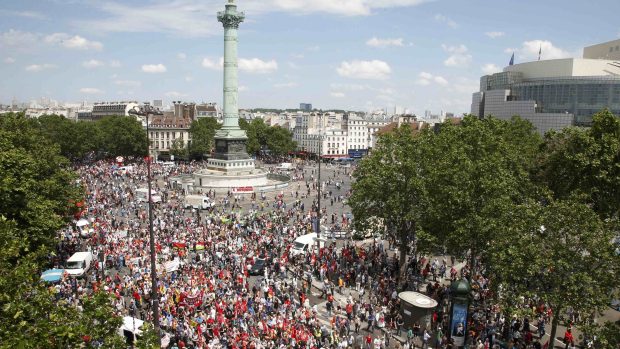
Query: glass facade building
{"x":551,"y":94}
{"x":580,"y":96}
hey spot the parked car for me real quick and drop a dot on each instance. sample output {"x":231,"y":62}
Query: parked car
{"x":258,"y":268}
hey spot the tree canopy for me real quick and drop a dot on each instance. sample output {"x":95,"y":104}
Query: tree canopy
{"x":560,"y":253}
{"x":586,"y":163}
{"x":479,"y":168}
{"x":37,"y":198}
{"x":278,"y":140}
{"x":202,"y":132}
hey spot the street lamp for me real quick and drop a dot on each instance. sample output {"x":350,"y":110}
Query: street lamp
{"x":318,"y":215}
{"x":146,"y":111}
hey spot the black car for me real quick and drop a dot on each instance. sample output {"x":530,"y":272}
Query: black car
{"x":258,"y":268}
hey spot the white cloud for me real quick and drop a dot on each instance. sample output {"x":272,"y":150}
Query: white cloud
{"x":459,"y":56}
{"x":350,"y":87}
{"x":297,"y":55}
{"x":189,"y":78}
{"x":440,"y":80}
{"x":9,"y":60}
{"x":313,"y":48}
{"x":446,"y":20}
{"x":338,"y":94}
{"x":210,"y":64}
{"x":490,"y":68}
{"x":257,"y":66}
{"x":24,"y":14}
{"x":423,"y":82}
{"x":75,"y":42}
{"x":252,"y":65}
{"x":172,"y":17}
{"x":426,"y":79}
{"x":17,"y":38}
{"x":376,"y":42}
{"x":154,"y":68}
{"x":128,"y":83}
{"x":374,"y":70}
{"x":93,"y":63}
{"x":181,"y":56}
{"x":425,"y":75}
{"x":39,"y":67}
{"x":494,"y":35}
{"x":242,"y":88}
{"x":90,"y":90}
{"x":529,"y":50}
{"x":342,"y":7}
{"x":115,"y":63}
{"x":175,"y":94}
{"x":286,"y":85}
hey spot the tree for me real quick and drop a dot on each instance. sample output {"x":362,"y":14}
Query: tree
{"x":36,"y":195}
{"x":76,"y":139}
{"x":257,"y":132}
{"x":280,"y":141}
{"x":480,"y":168}
{"x":390,"y":186}
{"x":36,"y":189}
{"x":560,"y":253}
{"x":122,"y":135}
{"x":203,"y":135}
{"x":584,"y":162}
{"x":178,"y":149}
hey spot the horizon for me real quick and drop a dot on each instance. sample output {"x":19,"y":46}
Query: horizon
{"x":359,"y":55}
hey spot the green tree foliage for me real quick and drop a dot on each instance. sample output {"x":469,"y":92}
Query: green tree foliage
{"x":280,"y":141}
{"x":586,"y":163}
{"x":203,"y":133}
{"x":122,"y":135}
{"x":179,"y":149}
{"x":560,"y":253}
{"x":36,"y":191}
{"x":262,"y":136}
{"x":36,"y":195}
{"x":256,"y":130}
{"x":30,"y":314}
{"x":479,"y":168}
{"x":108,"y":137}
{"x":390,"y":186}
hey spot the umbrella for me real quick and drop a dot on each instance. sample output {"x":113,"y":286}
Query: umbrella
{"x":52,"y":275}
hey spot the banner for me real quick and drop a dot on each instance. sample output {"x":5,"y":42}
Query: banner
{"x":458,"y":324}
{"x":242,"y":190}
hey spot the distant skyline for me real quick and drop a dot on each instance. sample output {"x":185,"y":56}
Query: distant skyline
{"x":349,"y":54}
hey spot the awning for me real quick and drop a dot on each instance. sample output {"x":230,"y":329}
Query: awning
{"x":52,"y":275}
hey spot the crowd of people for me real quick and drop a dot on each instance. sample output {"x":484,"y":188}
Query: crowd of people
{"x":207,"y":298}
{"x":343,"y":295}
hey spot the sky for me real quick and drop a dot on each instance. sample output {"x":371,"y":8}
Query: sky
{"x":336,"y":54}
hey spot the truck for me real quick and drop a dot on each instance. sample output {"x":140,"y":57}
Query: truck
{"x":142,"y":195}
{"x":79,"y":263}
{"x":198,"y":202}
{"x":285,"y":166}
{"x":306,"y":243}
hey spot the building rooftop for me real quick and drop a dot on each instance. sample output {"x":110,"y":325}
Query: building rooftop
{"x":566,"y":67}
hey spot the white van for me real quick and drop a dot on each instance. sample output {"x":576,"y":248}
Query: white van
{"x":125,"y":169}
{"x":197,"y":202}
{"x":131,"y":329}
{"x":285,"y":166}
{"x":142,"y":195}
{"x":79,"y":263}
{"x":305,"y":243}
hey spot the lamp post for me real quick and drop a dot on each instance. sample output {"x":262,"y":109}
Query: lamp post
{"x":146,"y":111}
{"x":318,"y":214}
